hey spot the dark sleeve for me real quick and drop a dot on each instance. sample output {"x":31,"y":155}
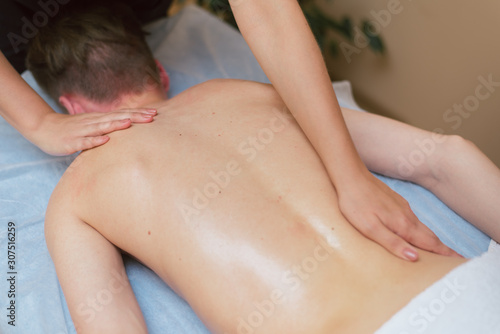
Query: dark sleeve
{"x":20,"y":20}
{"x":12,"y":41}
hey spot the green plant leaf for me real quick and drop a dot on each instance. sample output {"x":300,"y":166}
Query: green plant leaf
{"x":319,"y":22}
{"x":376,"y":43}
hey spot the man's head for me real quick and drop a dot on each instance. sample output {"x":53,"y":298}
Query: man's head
{"x":94,"y":57}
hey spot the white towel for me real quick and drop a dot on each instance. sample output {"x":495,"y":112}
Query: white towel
{"x":466,"y":300}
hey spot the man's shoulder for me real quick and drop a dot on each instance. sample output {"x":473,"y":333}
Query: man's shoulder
{"x":64,"y":194}
{"x":61,"y":204}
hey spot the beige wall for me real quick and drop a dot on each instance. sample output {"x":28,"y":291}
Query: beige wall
{"x":436,"y":51}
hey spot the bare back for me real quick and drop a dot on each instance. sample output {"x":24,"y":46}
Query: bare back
{"x":226,"y":200}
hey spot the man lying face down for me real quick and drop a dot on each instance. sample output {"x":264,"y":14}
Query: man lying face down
{"x":225,"y":199}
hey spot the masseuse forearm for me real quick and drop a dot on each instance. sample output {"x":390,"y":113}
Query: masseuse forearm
{"x":280,"y":38}
{"x":22,"y":107}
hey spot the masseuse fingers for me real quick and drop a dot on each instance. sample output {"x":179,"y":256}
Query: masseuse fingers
{"x":89,"y":142}
{"x":96,"y":131}
{"x":102,"y":123}
{"x":382,"y":235}
{"x":104,"y":126}
{"x":135,"y":115}
{"x":403,"y":221}
{"x":412,"y":230}
{"x":422,"y":237}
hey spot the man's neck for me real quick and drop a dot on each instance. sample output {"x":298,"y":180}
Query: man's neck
{"x":143,"y":100}
{"x":146,"y":99}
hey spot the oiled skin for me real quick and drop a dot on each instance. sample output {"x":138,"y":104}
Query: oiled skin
{"x":268,"y":248}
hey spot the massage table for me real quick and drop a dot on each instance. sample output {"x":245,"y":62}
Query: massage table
{"x":194,"y":46}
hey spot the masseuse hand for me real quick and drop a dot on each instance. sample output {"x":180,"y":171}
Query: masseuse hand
{"x":59,"y":134}
{"x":385,"y":217}
{"x":54,"y":133}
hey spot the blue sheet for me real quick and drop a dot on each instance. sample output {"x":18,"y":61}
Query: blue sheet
{"x":194,"y":46}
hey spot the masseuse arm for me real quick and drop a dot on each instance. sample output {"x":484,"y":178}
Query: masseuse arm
{"x":281,"y":40}
{"x":54,"y":133}
{"x":454,"y":169}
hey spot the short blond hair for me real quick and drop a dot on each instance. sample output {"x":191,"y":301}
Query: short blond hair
{"x":98,"y":52}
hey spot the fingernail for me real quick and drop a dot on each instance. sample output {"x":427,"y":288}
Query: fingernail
{"x":151,"y":111}
{"x":410,"y":254}
{"x":147,"y":116}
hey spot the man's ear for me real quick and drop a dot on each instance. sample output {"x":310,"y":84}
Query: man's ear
{"x":165,"y":80}
{"x":72,"y":106}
